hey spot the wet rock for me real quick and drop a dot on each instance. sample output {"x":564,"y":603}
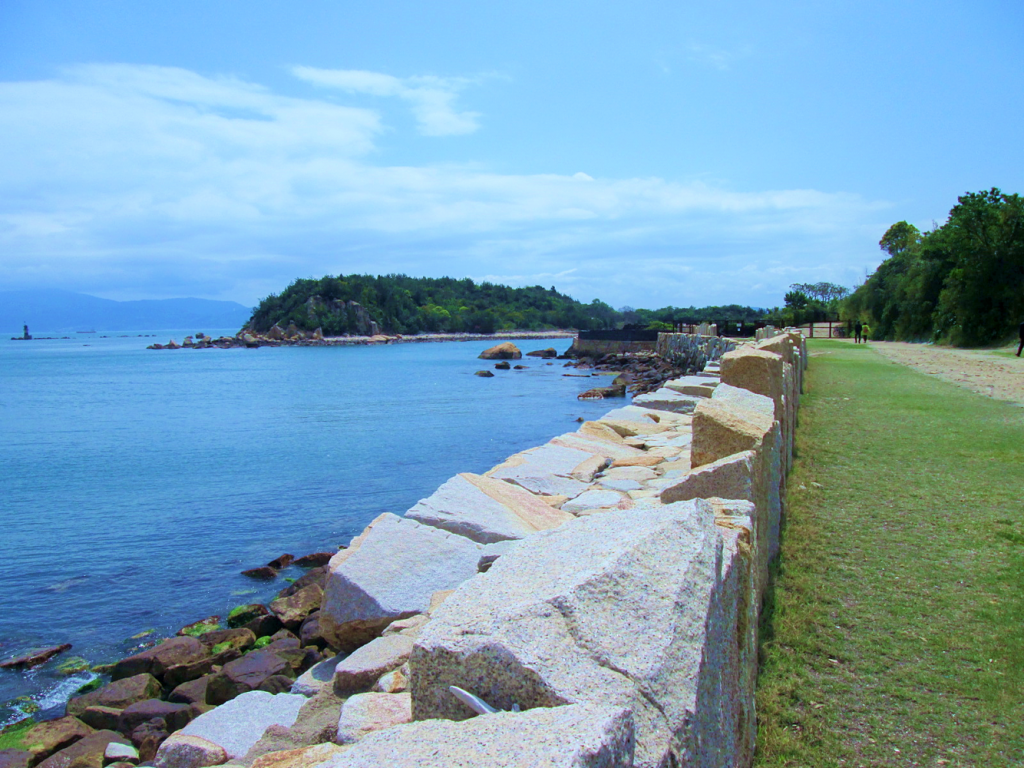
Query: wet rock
{"x":519,"y":367}
{"x":244,"y":675}
{"x":504,"y":351}
{"x":281,"y":562}
{"x":484,"y":374}
{"x":314,"y":559}
{"x":155,"y":661}
{"x":543,"y":353}
{"x":182,"y":673}
{"x":198,"y":628}
{"x":264,"y":626}
{"x":35,"y":658}
{"x":276,"y":684}
{"x":299,"y":659}
{"x":317,"y":575}
{"x":243,"y":614}
{"x":263,"y":573}
{"x":502,"y":366}
{"x":293,"y":610}
{"x":118,"y":694}
{"x":310,"y":634}
{"x":239,"y":638}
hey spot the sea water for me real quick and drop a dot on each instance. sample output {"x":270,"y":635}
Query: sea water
{"x":136,"y":485}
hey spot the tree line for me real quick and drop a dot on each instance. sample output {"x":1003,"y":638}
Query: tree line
{"x":961,"y":283}
{"x":410,"y":305}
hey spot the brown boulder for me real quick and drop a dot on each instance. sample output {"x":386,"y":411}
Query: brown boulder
{"x":240,"y":638}
{"x":281,"y":562}
{"x":148,"y":737}
{"x":484,"y":374}
{"x":317,"y":575}
{"x":155,"y":661}
{"x":314,"y":559}
{"x":292,"y":610}
{"x":173,"y":716}
{"x":263,"y":573}
{"x":192,"y":692}
{"x":118,"y":694}
{"x":15,"y":758}
{"x":276,"y":684}
{"x":545,"y":353}
{"x":504,"y":351}
{"x":243,"y":675}
{"x":182,"y":673}
{"x":51,"y":736}
{"x":87,"y":752}
{"x":502,"y":366}
{"x":264,"y":626}
{"x":309,"y":632}
{"x":35,"y":658}
{"x":198,"y":628}
{"x":101,"y":718}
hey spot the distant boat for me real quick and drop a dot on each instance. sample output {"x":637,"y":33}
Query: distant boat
{"x":85,"y":331}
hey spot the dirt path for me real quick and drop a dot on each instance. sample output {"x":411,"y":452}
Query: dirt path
{"x":996,"y":373}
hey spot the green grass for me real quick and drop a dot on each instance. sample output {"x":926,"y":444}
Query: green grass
{"x":894,"y":634}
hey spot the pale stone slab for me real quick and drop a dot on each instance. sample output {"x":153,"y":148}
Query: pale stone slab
{"x":562,"y":737}
{"x":726,"y":394}
{"x":361,"y":669}
{"x":638,"y":473}
{"x":389,"y":572}
{"x":627,"y":428}
{"x":668,"y":400}
{"x":238,"y":724}
{"x":595,"y":499}
{"x":365,"y":713}
{"x":549,"y":470}
{"x":721,"y":430}
{"x":486,"y":510}
{"x":617,"y":484}
{"x":624,"y":609}
{"x":303,"y":757}
{"x":596,"y":446}
{"x":696,"y":386}
{"x":731,"y":477}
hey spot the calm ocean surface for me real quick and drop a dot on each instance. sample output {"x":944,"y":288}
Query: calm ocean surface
{"x":136,"y":484}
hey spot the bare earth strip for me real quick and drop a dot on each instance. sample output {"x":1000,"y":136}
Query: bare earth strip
{"x":994,"y":373}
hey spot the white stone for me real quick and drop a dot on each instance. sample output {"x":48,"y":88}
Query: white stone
{"x":181,"y":751}
{"x":389,"y":572}
{"x":364,"y":666}
{"x":595,"y":499}
{"x":549,"y":470}
{"x":364,"y":713}
{"x":486,"y":510}
{"x":668,"y":400}
{"x":238,"y":724}
{"x":562,"y":737}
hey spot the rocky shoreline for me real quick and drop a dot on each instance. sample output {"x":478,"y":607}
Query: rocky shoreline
{"x":293,"y":337}
{"x":608,"y":584}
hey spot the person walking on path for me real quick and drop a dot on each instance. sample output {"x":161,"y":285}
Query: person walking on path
{"x":866,"y":332}
{"x":857,"y":327}
{"x":1021,"y":345}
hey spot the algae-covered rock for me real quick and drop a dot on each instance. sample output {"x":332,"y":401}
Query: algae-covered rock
{"x":118,"y":694}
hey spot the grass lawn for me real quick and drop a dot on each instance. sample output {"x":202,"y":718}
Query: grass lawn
{"x":895,"y":632}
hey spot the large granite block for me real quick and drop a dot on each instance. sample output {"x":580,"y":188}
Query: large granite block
{"x":389,"y":572}
{"x":621,"y":609}
{"x":486,"y":510}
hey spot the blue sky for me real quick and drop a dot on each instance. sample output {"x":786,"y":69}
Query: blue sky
{"x":646,"y":154}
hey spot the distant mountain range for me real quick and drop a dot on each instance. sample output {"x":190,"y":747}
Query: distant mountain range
{"x":55,"y":311}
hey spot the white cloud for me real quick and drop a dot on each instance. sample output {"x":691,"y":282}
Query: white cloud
{"x":148,"y":181}
{"x":432,"y":99}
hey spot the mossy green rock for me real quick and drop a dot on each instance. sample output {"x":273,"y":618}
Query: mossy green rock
{"x":243,"y":614}
{"x":44,"y":739}
{"x":118,"y":694}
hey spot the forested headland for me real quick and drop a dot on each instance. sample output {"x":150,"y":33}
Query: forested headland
{"x":961,"y":283}
{"x":355,"y":304}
